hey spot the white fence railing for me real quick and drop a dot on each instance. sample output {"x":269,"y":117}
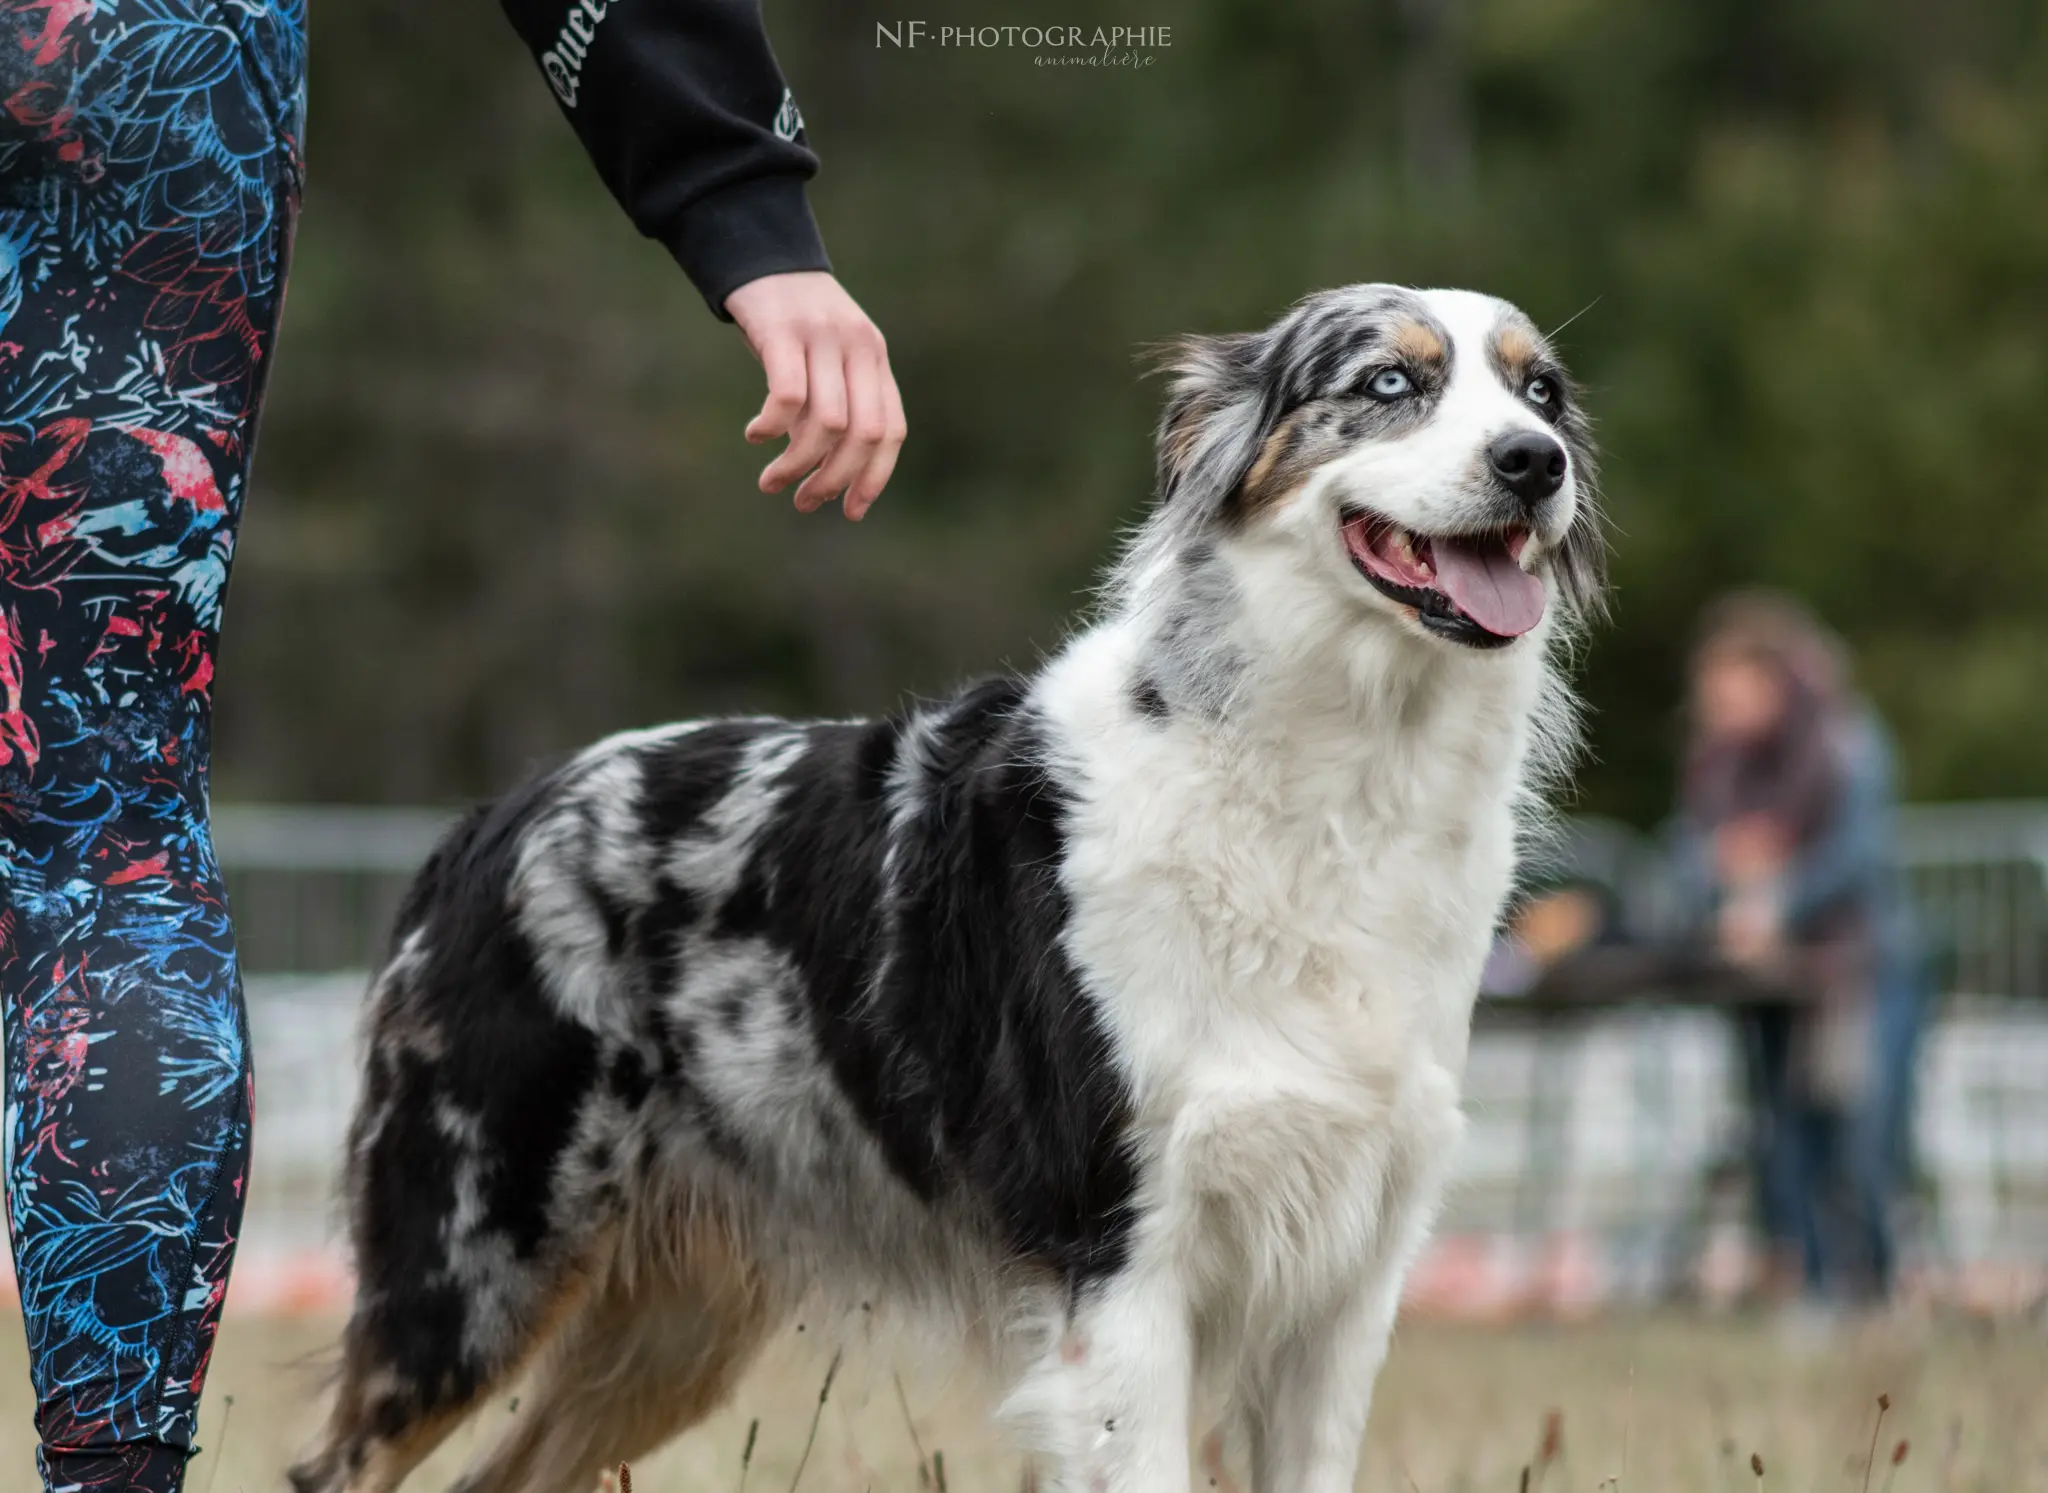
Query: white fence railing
{"x":1977,"y":875}
{"x":314,"y":888}
{"x":1650,"y":1097}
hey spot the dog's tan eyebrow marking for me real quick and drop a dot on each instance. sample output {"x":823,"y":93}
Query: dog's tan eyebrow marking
{"x":1413,"y":339}
{"x":1515,"y":348}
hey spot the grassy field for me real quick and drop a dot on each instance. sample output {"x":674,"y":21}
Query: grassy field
{"x":1660,"y":1404}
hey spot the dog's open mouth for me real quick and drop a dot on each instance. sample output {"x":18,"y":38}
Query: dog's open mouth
{"x":1470,"y":588}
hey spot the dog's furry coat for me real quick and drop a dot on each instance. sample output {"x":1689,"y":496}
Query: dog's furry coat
{"x":1117,"y":1014}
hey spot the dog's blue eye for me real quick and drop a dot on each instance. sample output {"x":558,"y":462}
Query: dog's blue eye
{"x":1541,"y":391}
{"x":1389,"y":383}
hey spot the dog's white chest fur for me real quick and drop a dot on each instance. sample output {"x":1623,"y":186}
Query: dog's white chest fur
{"x":1288,"y":950}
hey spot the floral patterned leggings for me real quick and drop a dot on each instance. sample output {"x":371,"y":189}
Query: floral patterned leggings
{"x":149,"y":179}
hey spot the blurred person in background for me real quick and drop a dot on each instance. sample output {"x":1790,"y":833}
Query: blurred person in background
{"x":149,"y":182}
{"x":1783,"y":861}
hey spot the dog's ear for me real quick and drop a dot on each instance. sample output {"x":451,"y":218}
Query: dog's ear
{"x":1220,"y":407}
{"x":1582,"y":557}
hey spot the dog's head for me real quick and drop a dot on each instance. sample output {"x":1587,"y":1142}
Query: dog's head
{"x":1420,"y":451}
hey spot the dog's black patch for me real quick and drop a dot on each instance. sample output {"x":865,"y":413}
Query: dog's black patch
{"x":464,"y":1100}
{"x":945,"y":1005}
{"x":732,"y":1007}
{"x":628,"y":1078}
{"x":656,"y":940}
{"x":684,"y":777}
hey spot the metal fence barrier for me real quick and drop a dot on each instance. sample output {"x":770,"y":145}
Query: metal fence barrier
{"x":1651,"y":1099}
{"x":315,"y":888}
{"x":1977,"y":875}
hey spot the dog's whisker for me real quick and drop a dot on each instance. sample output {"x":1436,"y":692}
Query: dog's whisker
{"x":1552,"y":333}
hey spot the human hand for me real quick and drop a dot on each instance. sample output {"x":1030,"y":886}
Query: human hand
{"x":1751,"y":934}
{"x":1750,"y":850}
{"x":1558,"y":923}
{"x":829,"y":389}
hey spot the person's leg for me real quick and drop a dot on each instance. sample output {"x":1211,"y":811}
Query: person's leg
{"x":148,"y":182}
{"x":1836,"y":1263}
{"x":1881,"y":1146}
{"x":1775,"y":1143}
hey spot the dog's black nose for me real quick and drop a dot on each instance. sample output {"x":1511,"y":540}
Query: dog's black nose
{"x":1529,"y":464}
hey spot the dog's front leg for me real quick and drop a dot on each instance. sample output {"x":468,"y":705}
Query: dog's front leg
{"x":1308,"y":1421}
{"x":1106,"y":1409}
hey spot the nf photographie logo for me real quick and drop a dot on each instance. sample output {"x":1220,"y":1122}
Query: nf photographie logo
{"x":1096,"y":46}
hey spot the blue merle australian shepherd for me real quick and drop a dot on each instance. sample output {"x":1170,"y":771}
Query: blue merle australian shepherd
{"x":1111,"y":1018}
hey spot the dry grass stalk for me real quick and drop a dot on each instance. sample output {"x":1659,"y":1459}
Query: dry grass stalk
{"x":227,"y":1413}
{"x":1549,"y":1448}
{"x":924,"y":1472}
{"x":1884,"y":1403}
{"x":817,"y":1414}
{"x":747,"y":1456}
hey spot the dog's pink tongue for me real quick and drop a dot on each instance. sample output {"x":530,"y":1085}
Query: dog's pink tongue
{"x":1488,"y":586}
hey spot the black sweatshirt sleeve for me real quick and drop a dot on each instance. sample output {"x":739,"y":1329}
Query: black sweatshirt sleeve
{"x":685,"y":113}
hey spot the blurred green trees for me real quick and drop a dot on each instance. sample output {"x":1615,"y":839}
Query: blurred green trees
{"x":502,"y":505}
